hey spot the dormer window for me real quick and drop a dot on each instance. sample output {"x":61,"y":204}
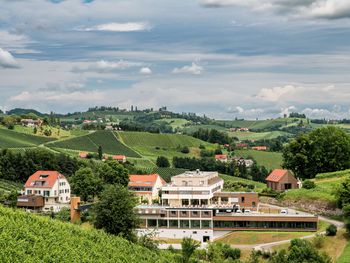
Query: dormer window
{"x":44,"y":176}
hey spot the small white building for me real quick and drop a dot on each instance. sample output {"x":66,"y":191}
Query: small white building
{"x":146,"y":187}
{"x":52,"y":186}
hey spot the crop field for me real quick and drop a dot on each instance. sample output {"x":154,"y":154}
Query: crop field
{"x":271,"y":160}
{"x":9,"y":186}
{"x":193,"y":128}
{"x":134,"y":139}
{"x":13,"y":139}
{"x":56,"y":133}
{"x":258,"y":135}
{"x":90,"y":143}
{"x":30,"y":238}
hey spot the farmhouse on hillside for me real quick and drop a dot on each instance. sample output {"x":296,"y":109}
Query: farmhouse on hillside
{"x":31,"y":122}
{"x":280,"y":180}
{"x":146,"y":187}
{"x":221,"y":158}
{"x":259,"y":148}
{"x":119,"y":158}
{"x":45,"y":191}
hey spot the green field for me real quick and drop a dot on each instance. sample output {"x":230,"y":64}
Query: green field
{"x":345,"y":256}
{"x":258,"y":186}
{"x":258,"y":135}
{"x":271,"y":160}
{"x":325,"y":188}
{"x":258,"y":124}
{"x":151,"y":145}
{"x":30,"y":238}
{"x":174,"y":123}
{"x":91,"y":142}
{"x":13,"y":139}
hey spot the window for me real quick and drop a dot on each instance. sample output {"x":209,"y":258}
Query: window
{"x":242,"y":199}
{"x":184,"y":213}
{"x":173,"y":223}
{"x":152,"y":222}
{"x":184,"y":224}
{"x":46,"y":193}
{"x":173,"y":213}
{"x":184,"y":183}
{"x":253,"y":204}
{"x":195,"y":224}
{"x":29,"y":192}
{"x":206,"y":213}
{"x":206,"y":224}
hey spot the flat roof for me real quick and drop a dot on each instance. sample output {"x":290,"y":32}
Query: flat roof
{"x":196,"y":174}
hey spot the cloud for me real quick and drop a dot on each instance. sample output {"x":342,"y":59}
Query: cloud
{"x":274,"y":94}
{"x":328,"y":9}
{"x":104,"y":66}
{"x":120,"y":27}
{"x":145,"y":71}
{"x":7,"y":60}
{"x":194,"y":69}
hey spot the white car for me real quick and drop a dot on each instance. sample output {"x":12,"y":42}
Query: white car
{"x":247,"y":211}
{"x":284,"y":211}
{"x":238,"y":211}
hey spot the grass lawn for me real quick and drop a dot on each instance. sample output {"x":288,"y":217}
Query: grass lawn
{"x":345,"y":256}
{"x":334,"y":247}
{"x":271,"y":160}
{"x":324,"y":191}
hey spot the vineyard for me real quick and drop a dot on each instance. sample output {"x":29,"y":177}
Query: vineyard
{"x":91,"y":142}
{"x":135,"y":139}
{"x":30,"y":238}
{"x":8,"y":186}
{"x":271,"y":160}
{"x":12,"y":139}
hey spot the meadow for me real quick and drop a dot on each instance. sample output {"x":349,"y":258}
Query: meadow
{"x":271,"y":160}
{"x":13,"y":139}
{"x":254,"y":136}
{"x":90,"y":143}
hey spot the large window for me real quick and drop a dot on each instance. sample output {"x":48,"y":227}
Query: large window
{"x":152,"y":222}
{"x":173,"y":223}
{"x":46,"y":193}
{"x":162,"y":223}
{"x":195,"y":224}
{"x":206,"y":224}
{"x":184,"y":224}
{"x":265,"y":224}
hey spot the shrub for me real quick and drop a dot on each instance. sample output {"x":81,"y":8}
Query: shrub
{"x":318,"y":241}
{"x":201,"y":147}
{"x":331,"y":230}
{"x":229,"y":252}
{"x":162,"y":162}
{"x":308,"y":184}
{"x":185,"y":149}
{"x":218,"y":151}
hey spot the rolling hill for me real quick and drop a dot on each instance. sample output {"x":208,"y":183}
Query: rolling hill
{"x":90,"y":143}
{"x":31,"y":238}
{"x":13,"y":139}
{"x":271,"y":160}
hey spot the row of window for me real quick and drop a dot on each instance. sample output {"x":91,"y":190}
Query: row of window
{"x":62,"y":183}
{"x":46,"y":192}
{"x":141,"y":189}
{"x":186,"y":213}
{"x":253,"y":224}
{"x":163,"y":223}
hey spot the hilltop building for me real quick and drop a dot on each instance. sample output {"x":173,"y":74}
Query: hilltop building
{"x":45,"y":191}
{"x":221,"y":157}
{"x":280,"y":180}
{"x":194,"y":205}
{"x":146,"y":187}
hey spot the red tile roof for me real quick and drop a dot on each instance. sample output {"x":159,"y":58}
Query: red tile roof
{"x":118,"y":157}
{"x":276,"y":175}
{"x":83,"y":154}
{"x":46,"y":179}
{"x":147,"y":180}
{"x":221,"y":156}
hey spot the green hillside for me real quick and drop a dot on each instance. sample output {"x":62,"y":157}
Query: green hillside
{"x":151,"y":145}
{"x":258,"y":124}
{"x":258,"y":135}
{"x":91,"y":142}
{"x":271,"y":160}
{"x":13,"y":139}
{"x":8,"y":186}
{"x":30,"y":238}
{"x":326,"y":185}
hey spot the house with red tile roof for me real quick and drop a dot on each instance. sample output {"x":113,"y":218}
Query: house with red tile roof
{"x":119,"y":158}
{"x":259,"y":148}
{"x":52,"y":186}
{"x":221,"y":158}
{"x":146,"y":187}
{"x":83,"y":154}
{"x":281,"y":179}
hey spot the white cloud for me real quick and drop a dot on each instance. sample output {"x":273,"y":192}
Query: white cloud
{"x":104,"y":66}
{"x":331,"y":9}
{"x":120,"y":27}
{"x":194,"y":69}
{"x":274,"y":94}
{"x":145,"y":71}
{"x":7,"y":60}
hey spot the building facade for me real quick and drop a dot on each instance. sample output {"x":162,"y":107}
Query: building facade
{"x":52,"y":186}
{"x":146,"y":187}
{"x":281,"y":180}
{"x":194,"y":205}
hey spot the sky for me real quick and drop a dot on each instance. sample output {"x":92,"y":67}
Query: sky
{"x":223,"y":58}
